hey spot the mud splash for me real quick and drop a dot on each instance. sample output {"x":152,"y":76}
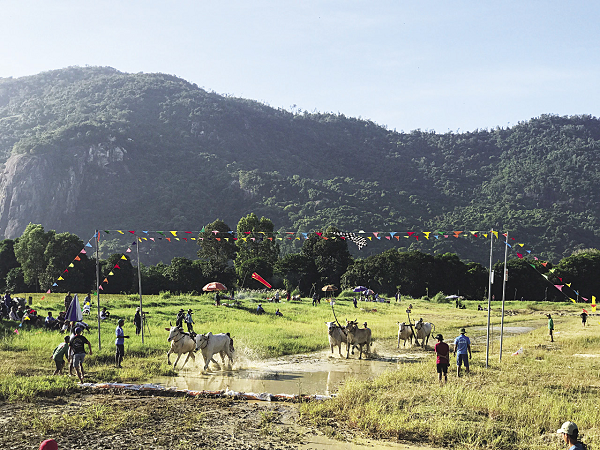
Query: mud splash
{"x":304,"y":374}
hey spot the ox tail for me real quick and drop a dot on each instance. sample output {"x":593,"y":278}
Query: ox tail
{"x":432,"y":328}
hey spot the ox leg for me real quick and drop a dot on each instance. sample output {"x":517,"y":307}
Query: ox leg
{"x":169,"y":357}
{"x":360,"y":351}
{"x":188,"y":357}
{"x":177,"y":360}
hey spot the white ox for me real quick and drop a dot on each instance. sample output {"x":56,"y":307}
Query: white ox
{"x":337,"y":336}
{"x":422,"y":331}
{"x":357,"y":337}
{"x":405,"y":333}
{"x":211,"y":344}
{"x":180,"y":343}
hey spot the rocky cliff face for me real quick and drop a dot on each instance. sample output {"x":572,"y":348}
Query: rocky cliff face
{"x":48,"y":188}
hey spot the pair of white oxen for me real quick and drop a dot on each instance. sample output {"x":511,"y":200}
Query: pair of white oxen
{"x":209,"y":344}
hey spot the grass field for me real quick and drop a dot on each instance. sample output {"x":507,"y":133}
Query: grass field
{"x":518,"y":403}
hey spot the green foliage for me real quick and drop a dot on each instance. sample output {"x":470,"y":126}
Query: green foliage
{"x":30,"y":250}
{"x":306,"y":171}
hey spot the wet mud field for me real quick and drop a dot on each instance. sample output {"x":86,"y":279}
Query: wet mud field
{"x":149,"y":421}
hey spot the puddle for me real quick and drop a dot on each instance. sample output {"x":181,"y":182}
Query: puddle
{"x":325,"y":443}
{"x":305,"y":374}
{"x":319,"y":373}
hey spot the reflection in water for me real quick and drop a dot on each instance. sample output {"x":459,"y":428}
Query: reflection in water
{"x":300,"y":374}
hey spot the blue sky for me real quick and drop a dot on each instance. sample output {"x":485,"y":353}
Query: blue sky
{"x":433,"y":65}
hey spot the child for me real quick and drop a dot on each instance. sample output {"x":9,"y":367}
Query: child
{"x":58,"y":355}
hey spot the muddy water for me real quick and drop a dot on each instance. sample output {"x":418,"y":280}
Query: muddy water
{"x":318,"y":373}
{"x":309,"y":374}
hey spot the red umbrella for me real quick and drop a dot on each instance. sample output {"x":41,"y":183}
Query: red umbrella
{"x":214,"y":286}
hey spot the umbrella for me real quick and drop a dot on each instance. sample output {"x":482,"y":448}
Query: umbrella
{"x":74,"y":311}
{"x":452,"y":296}
{"x":360,"y":289}
{"x":214,"y":286}
{"x":329,"y":288}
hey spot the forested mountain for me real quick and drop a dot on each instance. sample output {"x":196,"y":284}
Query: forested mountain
{"x":93,"y":148}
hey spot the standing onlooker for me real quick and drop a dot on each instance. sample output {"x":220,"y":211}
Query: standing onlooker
{"x":77,"y":345}
{"x":189,"y":321}
{"x":179,"y":319}
{"x":315,"y":297}
{"x":583,"y":317}
{"x":137,"y":320}
{"x":120,"y":343}
{"x":68,"y":300}
{"x":218,"y":299}
{"x":354,"y":302}
{"x":8,"y":302}
{"x":570,"y":433}
{"x":442,"y":350}
{"x":59,"y":354}
{"x":462,"y":350}
{"x":550,"y":327}
{"x":398,"y":296}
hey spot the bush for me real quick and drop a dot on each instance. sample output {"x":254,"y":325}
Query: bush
{"x":440,"y":297}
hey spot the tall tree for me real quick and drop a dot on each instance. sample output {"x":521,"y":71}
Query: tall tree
{"x":330,"y":255}
{"x":216,"y":243}
{"x":64,"y":258}
{"x":30,"y":250}
{"x":256,"y":242}
{"x":8,"y":260}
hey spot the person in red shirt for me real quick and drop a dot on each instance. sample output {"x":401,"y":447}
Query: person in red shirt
{"x":442,"y":351}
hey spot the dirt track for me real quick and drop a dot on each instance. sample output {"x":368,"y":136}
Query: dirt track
{"x":159,"y":423}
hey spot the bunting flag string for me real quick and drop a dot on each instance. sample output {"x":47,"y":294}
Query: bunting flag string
{"x":76,"y":259}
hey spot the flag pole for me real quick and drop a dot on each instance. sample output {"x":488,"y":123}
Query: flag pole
{"x":98,"y":285}
{"x":487,"y":345}
{"x":505,"y":278}
{"x":137,"y":249}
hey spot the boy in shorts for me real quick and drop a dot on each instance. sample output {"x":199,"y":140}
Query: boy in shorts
{"x":58,"y":355}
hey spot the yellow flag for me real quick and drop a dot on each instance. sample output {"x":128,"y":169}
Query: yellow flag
{"x":426,"y":233}
{"x":495,"y":234}
{"x":60,"y":278}
{"x":593,"y":303}
{"x":573,"y":300}
{"x":123,"y":257}
{"x":71,"y":265}
{"x":111,"y":273}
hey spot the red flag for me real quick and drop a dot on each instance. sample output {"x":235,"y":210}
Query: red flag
{"x":260,"y":279}
{"x":584,"y":310}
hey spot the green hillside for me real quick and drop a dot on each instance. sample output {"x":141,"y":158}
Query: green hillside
{"x":192,"y":156}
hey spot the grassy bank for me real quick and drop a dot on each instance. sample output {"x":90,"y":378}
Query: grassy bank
{"x":516,"y":404}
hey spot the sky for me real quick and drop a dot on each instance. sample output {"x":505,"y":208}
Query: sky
{"x":429,"y":65}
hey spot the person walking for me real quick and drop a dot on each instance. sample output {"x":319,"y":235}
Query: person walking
{"x":137,"y":320}
{"x":583,"y":317}
{"x":189,"y":321}
{"x":179,"y":319}
{"x":550,"y":327}
{"x":442,"y":351}
{"x":570,"y":434}
{"x":77,"y":345}
{"x":120,"y":343}
{"x":59,"y":354}
{"x":462,"y":350}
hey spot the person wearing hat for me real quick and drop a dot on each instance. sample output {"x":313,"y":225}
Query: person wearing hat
{"x":462,"y":350}
{"x":570,"y":433}
{"x":189,"y":321}
{"x":442,"y":351}
{"x":550,"y":327}
{"x":179,"y":319}
{"x":77,"y":346}
{"x":137,"y":320}
{"x":120,"y":343}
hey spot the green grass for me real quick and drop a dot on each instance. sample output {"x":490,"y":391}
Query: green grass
{"x":516,"y":404}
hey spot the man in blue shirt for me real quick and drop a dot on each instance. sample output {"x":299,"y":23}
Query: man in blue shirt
{"x":462,"y":350}
{"x":120,"y":343}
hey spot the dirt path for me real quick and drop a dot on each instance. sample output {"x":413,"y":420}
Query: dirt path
{"x":125,"y":420}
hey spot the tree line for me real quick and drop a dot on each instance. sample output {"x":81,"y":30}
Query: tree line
{"x":38,"y":258}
